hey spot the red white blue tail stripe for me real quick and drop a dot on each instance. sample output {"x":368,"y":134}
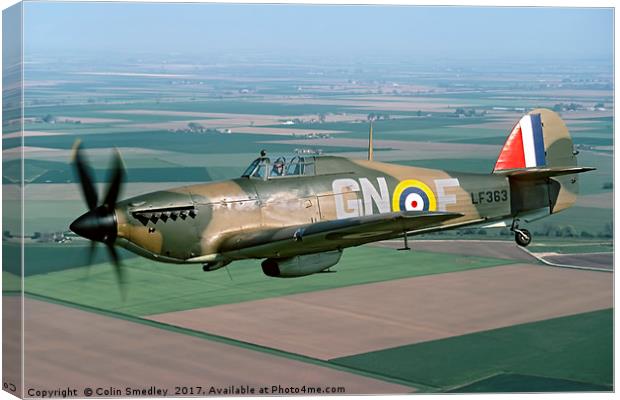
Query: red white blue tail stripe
{"x":525,"y":147}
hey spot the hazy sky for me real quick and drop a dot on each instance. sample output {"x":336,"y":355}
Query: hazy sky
{"x":424,"y":32}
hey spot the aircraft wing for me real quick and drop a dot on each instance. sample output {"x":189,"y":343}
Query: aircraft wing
{"x":329,"y":235}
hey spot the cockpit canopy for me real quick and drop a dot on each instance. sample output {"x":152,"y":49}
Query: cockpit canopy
{"x":264,"y":168}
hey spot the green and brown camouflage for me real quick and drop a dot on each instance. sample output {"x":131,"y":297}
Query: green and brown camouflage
{"x":283,"y":209}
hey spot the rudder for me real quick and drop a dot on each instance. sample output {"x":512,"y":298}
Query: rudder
{"x":539,"y":159}
{"x":539,"y":139}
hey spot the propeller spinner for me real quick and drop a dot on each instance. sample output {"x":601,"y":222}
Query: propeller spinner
{"x":99,"y":223}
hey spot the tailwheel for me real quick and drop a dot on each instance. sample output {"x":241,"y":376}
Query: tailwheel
{"x":523,"y":237}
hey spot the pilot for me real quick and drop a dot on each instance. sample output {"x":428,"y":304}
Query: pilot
{"x":278,"y":168}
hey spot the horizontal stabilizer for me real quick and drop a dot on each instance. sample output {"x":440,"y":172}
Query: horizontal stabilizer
{"x":542,"y":172}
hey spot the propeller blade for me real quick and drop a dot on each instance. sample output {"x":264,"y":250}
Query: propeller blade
{"x":84,"y":174}
{"x":98,"y":224}
{"x":91,"y":252}
{"x":91,"y":255}
{"x":116,"y":180}
{"x":118,"y":269}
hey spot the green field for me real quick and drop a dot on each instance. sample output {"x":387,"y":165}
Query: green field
{"x":41,"y":171}
{"x":44,"y":215}
{"x":592,"y":182}
{"x":239,"y":106}
{"x":577,"y":348}
{"x":519,"y":383}
{"x":473,"y":165}
{"x":589,"y":219}
{"x":44,"y":258}
{"x":183,"y":142}
{"x":157,"y":288}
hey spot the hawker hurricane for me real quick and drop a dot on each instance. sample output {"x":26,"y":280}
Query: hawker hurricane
{"x":298,"y":214}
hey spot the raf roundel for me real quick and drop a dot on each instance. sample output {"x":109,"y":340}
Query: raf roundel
{"x":413,"y":195}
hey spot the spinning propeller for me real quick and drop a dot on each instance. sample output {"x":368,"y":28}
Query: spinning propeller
{"x":99,"y":223}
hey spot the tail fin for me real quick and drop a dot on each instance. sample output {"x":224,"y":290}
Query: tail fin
{"x":539,"y":139}
{"x":539,"y":159}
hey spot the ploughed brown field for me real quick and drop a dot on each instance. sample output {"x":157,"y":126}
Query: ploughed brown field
{"x":352,"y":320}
{"x":483,"y":248}
{"x":70,"y":347}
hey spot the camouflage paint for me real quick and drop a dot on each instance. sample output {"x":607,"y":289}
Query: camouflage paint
{"x":220,"y":215}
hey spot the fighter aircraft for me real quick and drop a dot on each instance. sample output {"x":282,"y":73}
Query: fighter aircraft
{"x":299,"y":214}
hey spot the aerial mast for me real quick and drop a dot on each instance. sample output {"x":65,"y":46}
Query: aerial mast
{"x":370,"y":145}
